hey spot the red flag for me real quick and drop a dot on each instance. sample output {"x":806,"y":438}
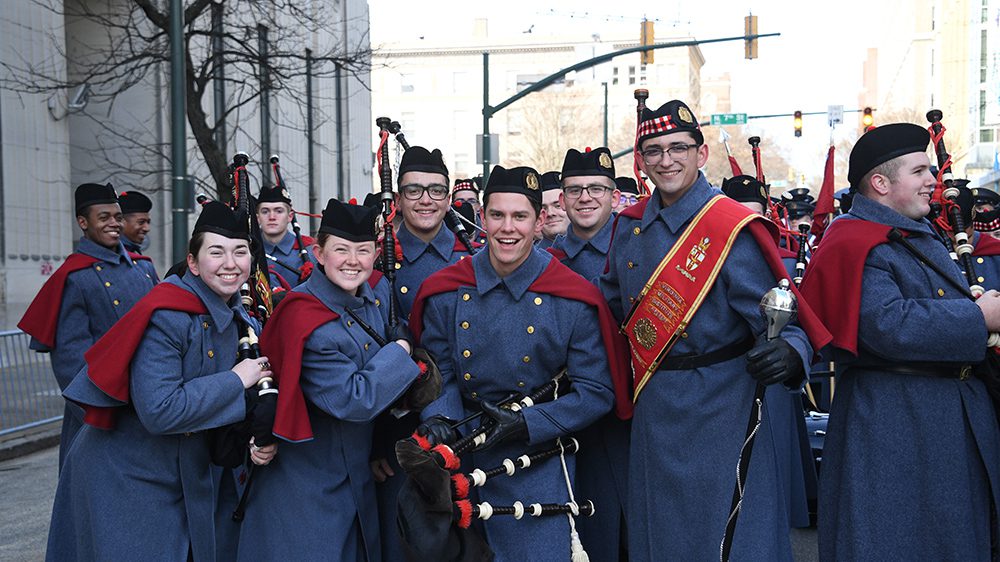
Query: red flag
{"x":824,"y":204}
{"x":735,"y":166}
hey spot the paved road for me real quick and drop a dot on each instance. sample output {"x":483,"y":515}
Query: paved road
{"x":29,"y":484}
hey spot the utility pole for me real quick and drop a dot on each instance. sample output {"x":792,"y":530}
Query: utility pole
{"x":178,"y":132}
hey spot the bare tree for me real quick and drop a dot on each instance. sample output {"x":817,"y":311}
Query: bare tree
{"x":126,"y":48}
{"x":773,"y":161}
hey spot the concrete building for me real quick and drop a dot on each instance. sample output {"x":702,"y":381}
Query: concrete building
{"x":434,"y":88}
{"x":943,"y":55}
{"x":56,"y":139}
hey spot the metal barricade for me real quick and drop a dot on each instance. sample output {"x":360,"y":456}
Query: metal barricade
{"x":29,"y":394}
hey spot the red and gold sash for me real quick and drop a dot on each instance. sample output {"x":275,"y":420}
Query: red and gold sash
{"x":678,"y":286}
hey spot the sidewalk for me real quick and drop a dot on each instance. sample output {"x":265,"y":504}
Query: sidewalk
{"x":29,"y":485}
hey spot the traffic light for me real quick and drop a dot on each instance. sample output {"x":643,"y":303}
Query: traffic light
{"x":866,"y":119}
{"x":646,"y":39}
{"x":798,"y":123}
{"x":750,"y":45}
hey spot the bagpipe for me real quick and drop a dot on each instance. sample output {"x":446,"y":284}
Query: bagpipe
{"x":428,"y":465}
{"x":641,"y":95}
{"x":307,"y":266}
{"x":775,"y":210}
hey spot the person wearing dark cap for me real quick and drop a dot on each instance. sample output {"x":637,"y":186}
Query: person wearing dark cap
{"x":135,"y":227}
{"x":427,"y":246}
{"x":629,"y":190}
{"x":556,"y":222}
{"x":905,"y":334}
{"x":90,"y":291}
{"x":987,"y":211}
{"x":137,"y":483}
{"x":985,"y":248}
{"x":843,"y":198}
{"x":516,"y":305}
{"x":318,"y":497}
{"x":288,"y":264}
{"x":588,"y":194}
{"x":710,"y":260}
{"x":466,"y":192}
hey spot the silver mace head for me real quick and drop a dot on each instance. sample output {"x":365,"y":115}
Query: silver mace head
{"x":779,"y":307}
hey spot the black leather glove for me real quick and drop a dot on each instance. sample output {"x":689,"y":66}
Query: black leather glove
{"x":261,"y":419}
{"x":399,"y":332}
{"x":438,"y":430}
{"x":775,"y":361}
{"x":507,"y":425}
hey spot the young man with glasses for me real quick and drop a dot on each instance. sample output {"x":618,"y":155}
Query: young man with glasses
{"x":686,"y":271}
{"x":428,"y":246}
{"x":629,"y":189}
{"x":466,"y":192}
{"x":588,"y":194}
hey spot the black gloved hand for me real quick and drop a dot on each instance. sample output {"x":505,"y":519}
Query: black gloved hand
{"x":508,"y":424}
{"x":399,"y":332}
{"x":438,"y":430}
{"x":775,"y":361}
{"x":261,"y":419}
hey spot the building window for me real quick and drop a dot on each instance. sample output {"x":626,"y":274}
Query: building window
{"x":983,"y":56}
{"x":986,"y":135}
{"x":463,"y":165}
{"x":614,"y":76}
{"x":631,"y":75}
{"x":406,"y":83}
{"x":515,"y":117}
{"x":982,"y":107}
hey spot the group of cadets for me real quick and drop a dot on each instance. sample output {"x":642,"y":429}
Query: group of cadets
{"x":644,"y":310}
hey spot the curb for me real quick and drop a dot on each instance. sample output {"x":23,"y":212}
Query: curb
{"x":30,"y":440}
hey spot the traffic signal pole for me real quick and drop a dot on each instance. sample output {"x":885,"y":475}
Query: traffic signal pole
{"x":490,"y":110}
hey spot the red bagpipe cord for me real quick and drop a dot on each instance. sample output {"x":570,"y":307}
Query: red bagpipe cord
{"x":942,"y":219}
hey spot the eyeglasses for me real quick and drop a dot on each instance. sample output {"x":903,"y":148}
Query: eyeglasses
{"x":628,"y":200}
{"x":469,"y":201}
{"x":678,"y":153}
{"x":595,"y":191}
{"x":436,"y":191}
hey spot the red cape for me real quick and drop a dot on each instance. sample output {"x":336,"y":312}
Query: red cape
{"x":832,"y":283}
{"x":41,"y":319}
{"x":765,"y":233}
{"x":557,"y":253}
{"x":556,"y":280}
{"x":282,"y":342}
{"x":108,"y":360}
{"x":786,"y":253}
{"x":986,"y":246}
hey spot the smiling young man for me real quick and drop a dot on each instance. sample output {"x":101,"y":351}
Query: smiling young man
{"x":906,"y":334}
{"x":698,"y":353}
{"x":90,"y":291}
{"x":555,"y":222}
{"x":286,"y":260}
{"x":136,"y":224}
{"x":515,"y":305}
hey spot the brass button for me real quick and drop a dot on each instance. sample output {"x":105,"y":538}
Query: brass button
{"x":636,"y":231}
{"x":204,"y":325}
{"x":466,"y":297}
{"x":349,"y":323}
{"x":403,"y":289}
{"x":211,"y":354}
{"x":378,"y":302}
{"x":531,"y":329}
{"x":474,"y":395}
{"x":98,"y":268}
{"x":631,"y":265}
{"x":466,"y":353}
{"x":520,"y":384}
{"x":366,"y":346}
{"x":116,"y":302}
{"x":980,"y":279}
{"x":134,"y":262}
{"x":398,"y":265}
{"x":468,"y":376}
{"x":979,"y":260}
{"x":107,"y":283}
{"x":526,"y":359}
{"x":148,"y":276}
{"x":538,"y":300}
{"x":631,"y":299}
{"x":464,"y":325}
{"x":940,"y":292}
{"x":684,"y":335}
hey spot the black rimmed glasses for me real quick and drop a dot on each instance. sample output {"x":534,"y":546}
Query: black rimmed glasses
{"x":435,"y":191}
{"x":678,"y":153}
{"x":596,"y":191}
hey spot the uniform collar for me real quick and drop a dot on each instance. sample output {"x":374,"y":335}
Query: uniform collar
{"x":573,"y":244}
{"x":335,"y":298}
{"x":518,"y":281}
{"x":678,"y":214}
{"x":285,"y":245}
{"x":222,"y":312}
{"x":131,"y":246}
{"x":864,"y":208}
{"x":111,"y":255}
{"x":413,"y":247}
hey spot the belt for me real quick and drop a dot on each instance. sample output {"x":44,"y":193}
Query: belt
{"x":960,"y":372}
{"x":688,"y":362}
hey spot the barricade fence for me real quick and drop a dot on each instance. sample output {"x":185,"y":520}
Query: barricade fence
{"x":29,"y":394}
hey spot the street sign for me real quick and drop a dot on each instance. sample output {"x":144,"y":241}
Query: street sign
{"x":494,"y":148}
{"x":835,"y":115}
{"x":729,"y":118}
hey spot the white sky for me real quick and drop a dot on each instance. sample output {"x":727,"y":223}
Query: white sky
{"x":816,"y":62}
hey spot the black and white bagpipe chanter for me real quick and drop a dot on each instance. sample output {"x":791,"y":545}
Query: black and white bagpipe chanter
{"x":427,"y":462}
